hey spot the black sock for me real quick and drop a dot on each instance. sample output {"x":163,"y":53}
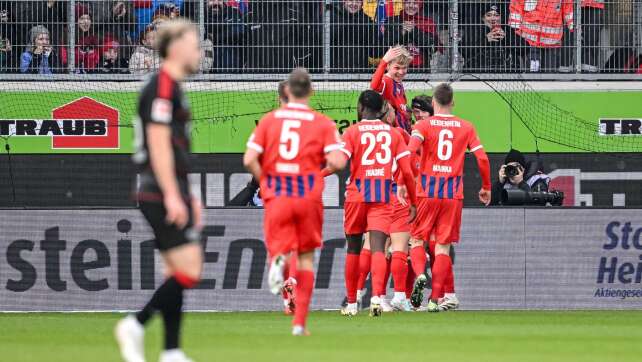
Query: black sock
{"x":165,"y":295}
{"x":172,"y":313}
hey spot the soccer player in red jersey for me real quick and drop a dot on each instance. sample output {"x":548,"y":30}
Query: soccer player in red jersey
{"x":372,"y":146}
{"x":443,"y":140}
{"x":286,"y":153}
{"x":388,"y":79}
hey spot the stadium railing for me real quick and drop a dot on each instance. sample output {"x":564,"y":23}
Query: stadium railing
{"x":258,"y":40}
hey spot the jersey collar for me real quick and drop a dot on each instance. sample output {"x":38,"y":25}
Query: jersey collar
{"x":370,"y":120}
{"x":443,"y":115}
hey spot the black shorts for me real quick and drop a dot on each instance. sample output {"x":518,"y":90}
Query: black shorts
{"x":168,"y":236}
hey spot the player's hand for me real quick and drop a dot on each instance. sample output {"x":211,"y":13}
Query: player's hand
{"x":484,"y":196}
{"x":176,"y":209}
{"x":391,"y":54}
{"x":412,"y":214}
{"x":502,"y":174}
{"x":197,"y":213}
{"x":402,"y":193}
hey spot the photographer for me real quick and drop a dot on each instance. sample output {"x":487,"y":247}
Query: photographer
{"x":517,"y":174}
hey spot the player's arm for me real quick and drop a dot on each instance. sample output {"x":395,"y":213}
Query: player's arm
{"x":416,"y":141}
{"x":377,"y":83}
{"x":255,"y":147}
{"x":476,"y":148}
{"x":340,"y":151}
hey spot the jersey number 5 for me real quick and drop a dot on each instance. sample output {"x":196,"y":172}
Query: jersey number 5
{"x":384,"y":140}
{"x":445,"y":146}
{"x":290,"y":139}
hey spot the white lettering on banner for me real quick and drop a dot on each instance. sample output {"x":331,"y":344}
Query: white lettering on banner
{"x":376,"y":172}
{"x":287,"y":167}
{"x":43,"y":249}
{"x":444,"y":123}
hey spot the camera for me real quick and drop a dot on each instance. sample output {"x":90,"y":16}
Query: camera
{"x":520,"y":197}
{"x":511,"y":170}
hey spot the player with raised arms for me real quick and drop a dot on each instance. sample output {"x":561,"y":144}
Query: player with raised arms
{"x":388,"y":81}
{"x":163,"y":159}
{"x":372,"y":146}
{"x":443,"y":140}
{"x":286,"y":152}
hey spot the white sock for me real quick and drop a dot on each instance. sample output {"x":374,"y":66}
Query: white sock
{"x":400,"y":296}
{"x":352,"y":305}
{"x":285,"y":302}
{"x":450,"y":295}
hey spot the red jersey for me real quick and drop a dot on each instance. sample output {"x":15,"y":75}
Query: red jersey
{"x":372,"y":146}
{"x":445,"y":139}
{"x":396,"y":170}
{"x":394,"y":93}
{"x":293,"y":141}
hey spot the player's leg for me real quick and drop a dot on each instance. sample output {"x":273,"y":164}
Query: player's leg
{"x":442,"y":268}
{"x":309,"y":222}
{"x":421,"y":229}
{"x":385,"y":304}
{"x":354,"y":227}
{"x":279,"y":237}
{"x":399,"y":268}
{"x":379,"y":218}
{"x":450,"y":300}
{"x":289,"y":285}
{"x":365,"y":258}
{"x":182,"y":257}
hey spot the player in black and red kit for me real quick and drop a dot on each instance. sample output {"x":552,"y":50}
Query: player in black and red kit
{"x":163,"y":159}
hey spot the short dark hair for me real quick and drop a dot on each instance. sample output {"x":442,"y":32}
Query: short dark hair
{"x":299,"y":83}
{"x":443,"y":94}
{"x":282,"y":94}
{"x":370,"y":102}
{"x":170,"y":31}
{"x":423,"y":103}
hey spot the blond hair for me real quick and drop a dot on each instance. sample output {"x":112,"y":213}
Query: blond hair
{"x":171,"y":30}
{"x":404,"y":58}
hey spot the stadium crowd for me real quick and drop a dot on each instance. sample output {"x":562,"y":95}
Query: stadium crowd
{"x":274,"y":36}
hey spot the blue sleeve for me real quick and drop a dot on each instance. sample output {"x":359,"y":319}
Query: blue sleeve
{"x":25,"y":61}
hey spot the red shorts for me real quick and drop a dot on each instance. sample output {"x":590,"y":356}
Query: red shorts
{"x":292,"y":225}
{"x":400,"y":216}
{"x":360,"y":217}
{"x":439,"y":216}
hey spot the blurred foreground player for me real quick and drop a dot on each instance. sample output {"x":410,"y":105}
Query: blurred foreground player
{"x":286,"y":152}
{"x":443,"y":139}
{"x":163,"y":159}
{"x":373,"y":148}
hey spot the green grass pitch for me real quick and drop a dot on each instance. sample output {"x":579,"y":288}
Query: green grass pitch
{"x":450,"y":337}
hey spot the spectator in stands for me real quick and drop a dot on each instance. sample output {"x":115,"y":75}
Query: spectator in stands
{"x":111,"y":61}
{"x":145,"y":59}
{"x":7,"y":33}
{"x":117,"y":20}
{"x":415,"y":31}
{"x":38,"y":57}
{"x":51,"y":14}
{"x":489,"y":45}
{"x":86,"y":52}
{"x":145,"y":11}
{"x":393,"y":6}
{"x":225,"y":29}
{"x":353,"y":37}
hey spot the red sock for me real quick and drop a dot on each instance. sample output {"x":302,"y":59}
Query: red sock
{"x":304,"y":285}
{"x":431,"y":252}
{"x":449,"y":287}
{"x":418,"y":257}
{"x":386,"y":280}
{"x":410,"y":280}
{"x":292,"y":267}
{"x":364,"y":267}
{"x":286,"y":275}
{"x":378,"y":273}
{"x":351,"y":276}
{"x":399,"y":267}
{"x":442,"y":268}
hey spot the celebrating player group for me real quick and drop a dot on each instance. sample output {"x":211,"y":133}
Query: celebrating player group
{"x":403,"y":201}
